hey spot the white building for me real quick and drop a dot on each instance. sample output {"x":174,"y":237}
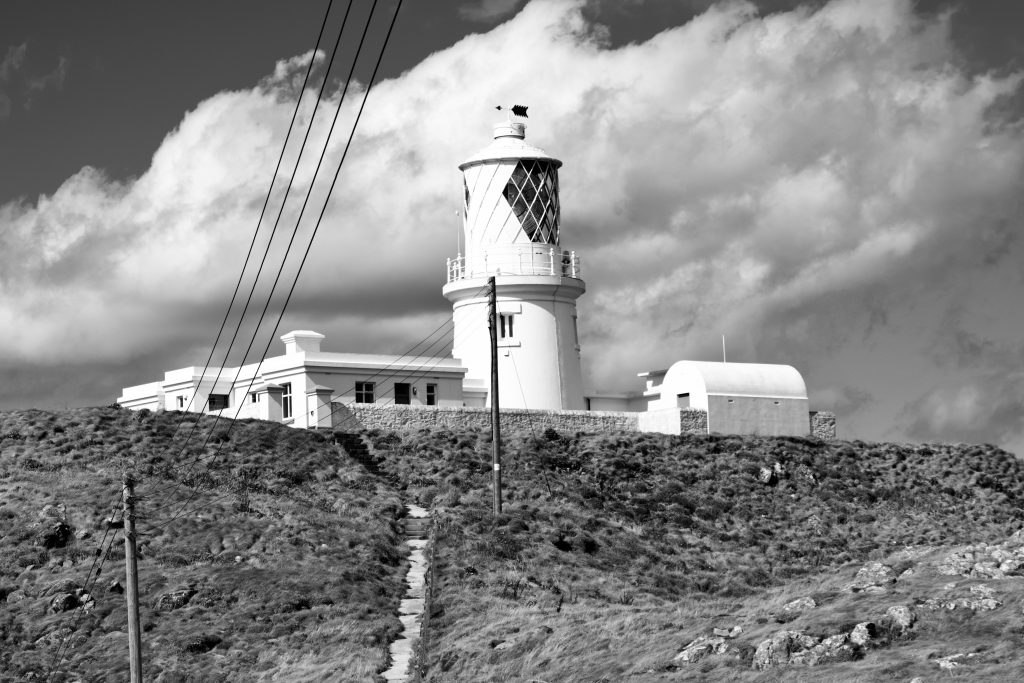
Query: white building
{"x":512,"y":233}
{"x":299,"y":387}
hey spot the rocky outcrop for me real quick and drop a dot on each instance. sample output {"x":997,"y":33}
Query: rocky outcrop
{"x":175,"y":599}
{"x":981,"y":598}
{"x":873,"y":577}
{"x":700,"y":648}
{"x":984,"y":561}
{"x":791,"y":610}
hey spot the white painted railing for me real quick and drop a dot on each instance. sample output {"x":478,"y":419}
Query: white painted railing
{"x":519,"y":260}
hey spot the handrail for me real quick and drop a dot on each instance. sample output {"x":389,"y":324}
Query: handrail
{"x":518,"y":260}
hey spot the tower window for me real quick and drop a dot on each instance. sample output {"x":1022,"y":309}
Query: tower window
{"x":286,"y":400}
{"x":532,"y":192}
{"x":364,"y":392}
{"x":181,"y":403}
{"x":507,"y":322}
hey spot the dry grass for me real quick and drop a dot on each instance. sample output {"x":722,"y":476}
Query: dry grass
{"x":289,"y":547}
{"x":615,"y":551}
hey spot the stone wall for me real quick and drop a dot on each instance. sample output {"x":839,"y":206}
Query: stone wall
{"x":389,"y":417}
{"x":823,"y":424}
{"x":406,"y":418}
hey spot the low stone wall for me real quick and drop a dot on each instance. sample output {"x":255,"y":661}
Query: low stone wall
{"x":389,"y":417}
{"x":406,"y":418}
{"x":823,"y":424}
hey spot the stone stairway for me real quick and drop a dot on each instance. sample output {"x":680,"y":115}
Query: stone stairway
{"x":417,"y":525}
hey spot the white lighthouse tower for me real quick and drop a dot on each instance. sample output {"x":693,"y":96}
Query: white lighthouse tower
{"x":512,"y":233}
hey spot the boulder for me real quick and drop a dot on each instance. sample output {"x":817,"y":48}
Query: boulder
{"x":175,"y":599}
{"x":987,"y":570}
{"x":776,"y":651}
{"x":791,"y":610}
{"x":57,"y":535}
{"x":767,"y":476}
{"x":62,"y":602}
{"x":959,"y":563}
{"x":863,"y":633}
{"x":727,"y":632}
{"x":700,"y":648}
{"x":873,"y":577}
{"x":901,"y":617}
{"x":832,"y":649}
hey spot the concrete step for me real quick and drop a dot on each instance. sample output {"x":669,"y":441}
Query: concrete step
{"x":417,"y":527}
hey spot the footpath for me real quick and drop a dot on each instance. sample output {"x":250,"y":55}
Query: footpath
{"x":417,"y":524}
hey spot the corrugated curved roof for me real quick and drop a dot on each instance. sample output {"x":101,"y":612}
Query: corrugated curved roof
{"x":740,"y":379}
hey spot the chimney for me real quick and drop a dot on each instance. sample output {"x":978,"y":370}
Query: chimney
{"x":302,"y":341}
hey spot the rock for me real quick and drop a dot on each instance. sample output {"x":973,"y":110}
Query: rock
{"x":957,"y":563}
{"x":775,"y":651}
{"x":791,"y":610}
{"x":987,"y":570}
{"x":779,"y":470}
{"x":115,"y":587}
{"x":1012,"y":566}
{"x":863,"y":633}
{"x":16,"y":596}
{"x":767,"y":476}
{"x":56,"y":535}
{"x":872,"y":577}
{"x":83,"y":534}
{"x":62,"y":602}
{"x":175,"y":599}
{"x":200,"y":644}
{"x":58,"y":512}
{"x":727,"y":632}
{"x":954,"y":661}
{"x":982,"y":599}
{"x":901,"y":617}
{"x":700,"y":648}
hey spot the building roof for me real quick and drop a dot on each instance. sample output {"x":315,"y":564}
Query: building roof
{"x":508,"y":145}
{"x":736,"y":379}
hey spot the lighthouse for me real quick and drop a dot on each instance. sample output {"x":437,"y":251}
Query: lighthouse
{"x":511,"y":232}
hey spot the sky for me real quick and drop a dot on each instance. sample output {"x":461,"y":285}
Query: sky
{"x":832,"y":185}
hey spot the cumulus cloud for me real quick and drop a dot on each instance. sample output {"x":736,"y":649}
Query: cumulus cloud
{"x":822,"y":186}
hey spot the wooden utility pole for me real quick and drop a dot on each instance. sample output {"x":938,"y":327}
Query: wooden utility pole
{"x":131,"y":594}
{"x":492,"y":317}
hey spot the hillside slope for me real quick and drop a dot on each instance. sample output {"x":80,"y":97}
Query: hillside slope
{"x":283,"y":564}
{"x":617,"y":552}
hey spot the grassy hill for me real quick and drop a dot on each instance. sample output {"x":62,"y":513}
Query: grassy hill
{"x":616,"y":558}
{"x":615,"y":552}
{"x":285,"y":565}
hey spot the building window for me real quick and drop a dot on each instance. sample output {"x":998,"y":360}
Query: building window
{"x":286,"y":400}
{"x":431,"y":394}
{"x":683,"y":400}
{"x":254,"y":397}
{"x":507,"y":331}
{"x":364,"y":392}
{"x":402,"y":393}
{"x":181,"y":403}
{"x":218,"y":401}
{"x":532,"y":192}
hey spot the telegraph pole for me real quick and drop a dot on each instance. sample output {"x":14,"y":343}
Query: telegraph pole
{"x":492,"y":319}
{"x":131,"y":594}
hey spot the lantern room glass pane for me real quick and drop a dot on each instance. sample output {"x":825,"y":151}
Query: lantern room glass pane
{"x":532,"y":192}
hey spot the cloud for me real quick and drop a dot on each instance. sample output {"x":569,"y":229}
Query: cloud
{"x":486,"y":11}
{"x":821,"y":185}
{"x":12,"y":61}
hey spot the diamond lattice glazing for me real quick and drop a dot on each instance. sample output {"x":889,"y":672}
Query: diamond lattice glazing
{"x":532,"y":192}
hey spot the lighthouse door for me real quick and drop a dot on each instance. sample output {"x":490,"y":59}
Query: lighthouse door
{"x":401,"y":393}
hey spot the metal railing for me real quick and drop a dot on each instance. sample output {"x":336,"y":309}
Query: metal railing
{"x":524,"y":260}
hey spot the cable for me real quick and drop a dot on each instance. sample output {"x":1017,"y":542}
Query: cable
{"x":273,"y":232}
{"x":298,"y":221}
{"x":330,"y":190}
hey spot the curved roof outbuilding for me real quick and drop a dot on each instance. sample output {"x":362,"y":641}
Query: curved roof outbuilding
{"x":701,"y":379}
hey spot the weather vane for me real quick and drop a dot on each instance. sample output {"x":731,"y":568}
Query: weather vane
{"x":514,"y":110}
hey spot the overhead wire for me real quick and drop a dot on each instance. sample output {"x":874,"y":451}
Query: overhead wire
{"x":330,"y":190}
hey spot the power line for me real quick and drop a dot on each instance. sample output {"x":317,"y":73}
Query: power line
{"x":330,"y":190}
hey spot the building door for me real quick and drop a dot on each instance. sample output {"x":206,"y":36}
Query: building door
{"x":402,"y":393}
